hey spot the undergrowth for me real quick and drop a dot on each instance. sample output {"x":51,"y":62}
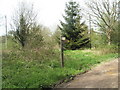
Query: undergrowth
{"x":23,"y":69}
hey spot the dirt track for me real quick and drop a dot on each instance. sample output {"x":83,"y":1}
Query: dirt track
{"x":104,"y":75}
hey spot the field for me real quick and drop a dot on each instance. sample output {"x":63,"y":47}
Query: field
{"x":19,"y":72}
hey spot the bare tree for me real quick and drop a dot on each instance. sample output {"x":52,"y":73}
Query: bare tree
{"x":23,"y":22}
{"x":104,"y":15}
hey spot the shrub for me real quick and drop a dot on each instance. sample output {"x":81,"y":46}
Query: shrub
{"x":108,"y":49}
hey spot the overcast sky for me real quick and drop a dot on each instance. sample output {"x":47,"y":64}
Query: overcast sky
{"x":49,"y":11}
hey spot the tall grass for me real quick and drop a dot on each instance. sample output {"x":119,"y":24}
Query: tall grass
{"x":105,"y":49}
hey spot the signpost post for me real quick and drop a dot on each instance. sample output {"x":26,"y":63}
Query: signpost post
{"x":90,"y":31}
{"x":62,"y":52}
{"x":6,"y":29}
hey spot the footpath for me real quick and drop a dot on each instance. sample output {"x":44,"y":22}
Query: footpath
{"x":104,"y":75}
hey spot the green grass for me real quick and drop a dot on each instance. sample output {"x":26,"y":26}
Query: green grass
{"x":21,"y":73}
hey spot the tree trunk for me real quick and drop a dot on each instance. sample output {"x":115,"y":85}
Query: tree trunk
{"x":109,"y":37}
{"x":109,"y":43}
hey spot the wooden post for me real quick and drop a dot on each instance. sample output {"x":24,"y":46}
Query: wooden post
{"x":6,"y":29}
{"x":90,"y":31}
{"x":62,"y":57}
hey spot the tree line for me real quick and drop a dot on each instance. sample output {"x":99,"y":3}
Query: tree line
{"x":27,"y":31}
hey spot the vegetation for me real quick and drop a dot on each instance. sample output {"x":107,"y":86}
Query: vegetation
{"x":104,"y":15}
{"x":24,"y":23}
{"x":75,"y":31}
{"x":24,"y":69}
{"x":32,"y":56}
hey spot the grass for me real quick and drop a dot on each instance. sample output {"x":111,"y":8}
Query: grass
{"x":21,"y":73}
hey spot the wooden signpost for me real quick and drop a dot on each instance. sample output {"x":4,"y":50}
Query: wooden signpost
{"x":62,"y":52}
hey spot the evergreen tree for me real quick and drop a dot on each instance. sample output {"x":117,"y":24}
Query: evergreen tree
{"x":21,"y":31}
{"x":23,"y":22}
{"x":75,"y":32}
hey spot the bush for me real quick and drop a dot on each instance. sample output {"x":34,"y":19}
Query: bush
{"x":108,"y":49}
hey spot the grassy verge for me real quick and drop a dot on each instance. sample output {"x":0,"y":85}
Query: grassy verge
{"x":21,"y":73}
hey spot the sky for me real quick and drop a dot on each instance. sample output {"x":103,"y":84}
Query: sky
{"x":49,"y":11}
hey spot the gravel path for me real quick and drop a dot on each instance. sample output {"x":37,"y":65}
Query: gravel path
{"x":104,"y":75}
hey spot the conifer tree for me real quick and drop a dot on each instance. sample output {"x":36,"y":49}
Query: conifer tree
{"x":75,"y":32}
